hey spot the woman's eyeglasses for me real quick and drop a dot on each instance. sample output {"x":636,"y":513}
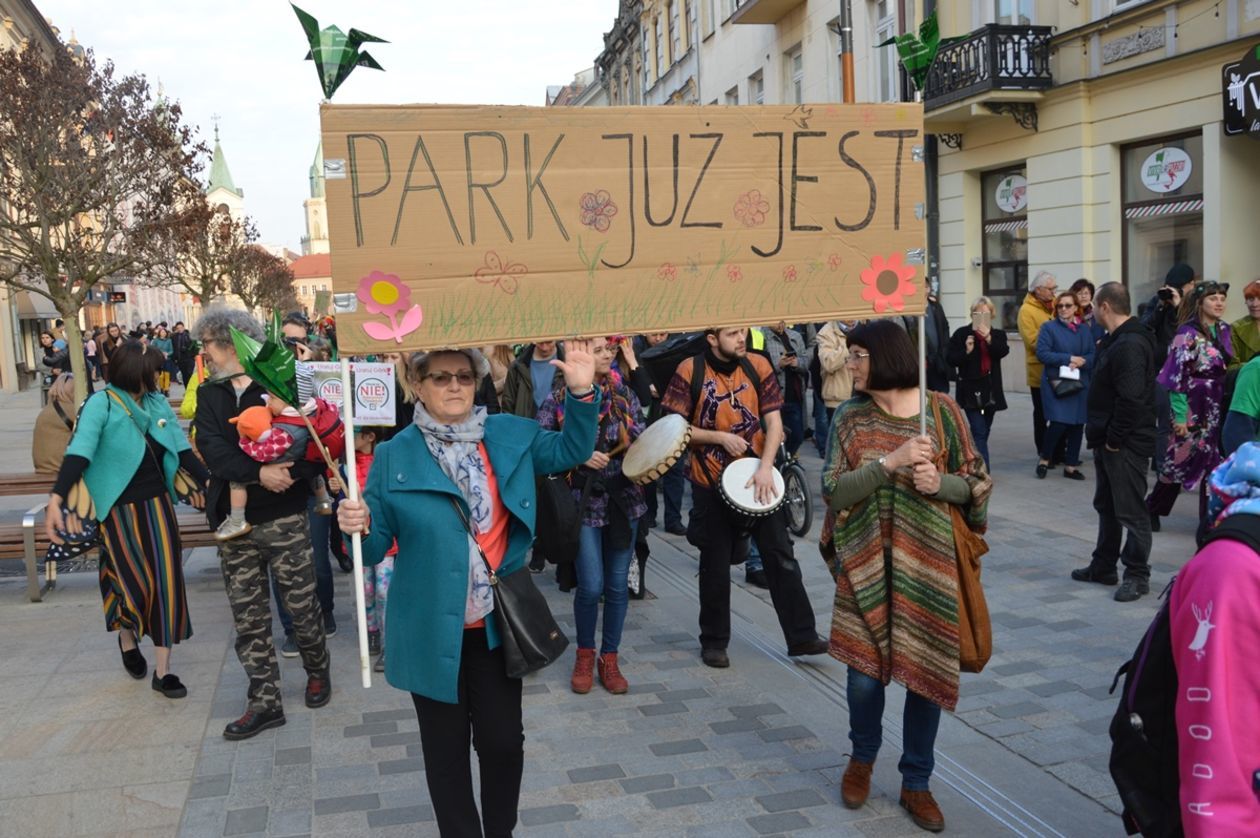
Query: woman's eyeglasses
{"x":443,"y":379}
{"x":1062,"y":306}
{"x":856,"y":358}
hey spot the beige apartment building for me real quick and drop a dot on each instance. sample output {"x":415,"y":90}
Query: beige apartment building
{"x":1088,"y":138}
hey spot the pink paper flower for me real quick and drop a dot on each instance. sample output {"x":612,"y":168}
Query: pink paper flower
{"x":887,"y":283}
{"x":597,"y":210}
{"x":385,"y":294}
{"x":734,"y":273}
{"x":751,"y":208}
{"x":667,"y":272}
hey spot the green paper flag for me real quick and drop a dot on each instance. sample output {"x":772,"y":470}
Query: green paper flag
{"x":271,"y":364}
{"x":917,"y":54}
{"x":334,"y":52}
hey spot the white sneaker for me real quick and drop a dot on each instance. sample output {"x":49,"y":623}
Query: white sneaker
{"x":231,"y":529}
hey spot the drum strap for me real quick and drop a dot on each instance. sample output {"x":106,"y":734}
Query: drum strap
{"x":698,"y":367}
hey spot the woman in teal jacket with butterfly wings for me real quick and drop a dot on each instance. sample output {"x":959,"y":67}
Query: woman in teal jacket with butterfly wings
{"x":129,"y":449}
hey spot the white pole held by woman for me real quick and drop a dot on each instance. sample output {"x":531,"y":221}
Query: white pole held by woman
{"x":923,"y":373}
{"x":356,"y":541}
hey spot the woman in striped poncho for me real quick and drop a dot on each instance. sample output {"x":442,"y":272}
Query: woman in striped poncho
{"x":890,"y":539}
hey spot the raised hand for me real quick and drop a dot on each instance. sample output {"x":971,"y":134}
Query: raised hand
{"x":578,"y":365}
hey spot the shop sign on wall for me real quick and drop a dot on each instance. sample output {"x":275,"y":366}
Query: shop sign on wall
{"x":1012,"y":194}
{"x":1166,"y":169}
{"x":1240,"y":92}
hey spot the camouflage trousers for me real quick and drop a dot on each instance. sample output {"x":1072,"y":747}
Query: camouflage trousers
{"x":282,"y":546}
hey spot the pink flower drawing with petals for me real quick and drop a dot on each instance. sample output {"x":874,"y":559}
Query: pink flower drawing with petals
{"x":667,"y":272}
{"x":597,"y":210}
{"x":385,"y":294}
{"x":833,"y":261}
{"x":751,"y":208}
{"x":501,"y":273}
{"x":734,"y":273}
{"x":789,"y":273}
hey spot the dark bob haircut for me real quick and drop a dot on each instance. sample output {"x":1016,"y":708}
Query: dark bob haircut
{"x":894,"y":365}
{"x":134,"y":367}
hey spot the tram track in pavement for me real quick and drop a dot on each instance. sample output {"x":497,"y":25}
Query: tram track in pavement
{"x":982,"y":794}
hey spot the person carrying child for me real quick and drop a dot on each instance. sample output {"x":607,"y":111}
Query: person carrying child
{"x":280,"y":433}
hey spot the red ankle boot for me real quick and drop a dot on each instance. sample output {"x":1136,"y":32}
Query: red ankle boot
{"x":610,"y":676}
{"x":583,"y":671}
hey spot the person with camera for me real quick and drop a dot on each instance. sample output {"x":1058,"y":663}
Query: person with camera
{"x":1161,"y":317}
{"x":977,"y":350}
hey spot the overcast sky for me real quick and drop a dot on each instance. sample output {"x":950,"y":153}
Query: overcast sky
{"x":243,"y":60}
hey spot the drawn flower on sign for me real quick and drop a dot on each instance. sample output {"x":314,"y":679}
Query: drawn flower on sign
{"x":667,"y":272}
{"x":789,"y":273}
{"x":501,"y":274}
{"x":734,"y":273}
{"x":751,"y":208}
{"x":598,"y":210}
{"x":887,"y":283}
{"x":385,"y":294}
{"x":833,"y":262}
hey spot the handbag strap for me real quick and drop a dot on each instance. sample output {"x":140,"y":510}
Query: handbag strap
{"x":942,"y":462}
{"x":69,"y":423}
{"x":459,"y":510}
{"x":156,"y":459}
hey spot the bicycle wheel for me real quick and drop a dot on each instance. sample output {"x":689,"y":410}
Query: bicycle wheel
{"x":797,"y":500}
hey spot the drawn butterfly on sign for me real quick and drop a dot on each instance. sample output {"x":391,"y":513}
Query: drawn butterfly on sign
{"x":500,"y":273}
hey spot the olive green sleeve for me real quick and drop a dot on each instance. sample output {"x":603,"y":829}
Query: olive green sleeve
{"x":853,"y":486}
{"x":954,"y":489}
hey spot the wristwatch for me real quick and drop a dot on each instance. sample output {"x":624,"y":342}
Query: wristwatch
{"x":883,"y":463}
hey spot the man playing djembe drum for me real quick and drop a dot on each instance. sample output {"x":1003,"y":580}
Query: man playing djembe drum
{"x":736,"y":415}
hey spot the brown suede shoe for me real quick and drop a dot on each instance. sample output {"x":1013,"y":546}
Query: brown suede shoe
{"x":583,"y":671}
{"x":610,"y":675}
{"x":855,"y":785}
{"x":923,"y":810}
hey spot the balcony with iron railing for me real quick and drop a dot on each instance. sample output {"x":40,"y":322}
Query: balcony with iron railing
{"x":1010,"y":62}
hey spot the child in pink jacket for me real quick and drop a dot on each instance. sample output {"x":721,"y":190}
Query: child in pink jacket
{"x":1214,"y":611}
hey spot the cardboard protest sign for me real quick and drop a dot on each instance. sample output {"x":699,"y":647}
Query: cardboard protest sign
{"x":474,"y":225}
{"x":373,"y":390}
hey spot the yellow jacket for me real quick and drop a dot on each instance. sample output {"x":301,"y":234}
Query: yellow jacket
{"x":1032,"y":316}
{"x":188,"y":405}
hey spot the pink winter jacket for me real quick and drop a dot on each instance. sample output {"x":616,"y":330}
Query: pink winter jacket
{"x":1214,"y":610}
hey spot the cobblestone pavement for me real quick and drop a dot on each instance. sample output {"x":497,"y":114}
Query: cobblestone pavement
{"x":753,"y":750}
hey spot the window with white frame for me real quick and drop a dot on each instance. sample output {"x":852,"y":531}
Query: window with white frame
{"x":794,"y":64}
{"x":1015,"y":12}
{"x":1112,"y":6}
{"x":757,"y":88}
{"x":884,"y":13}
{"x":708,"y":16}
{"x":647,"y":59}
{"x":688,"y":29}
{"x":662,"y":51}
{"x":675,"y":31}
{"x":732,"y":96}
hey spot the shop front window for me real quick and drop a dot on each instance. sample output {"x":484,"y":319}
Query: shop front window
{"x":1005,"y":253}
{"x":1163,"y":211}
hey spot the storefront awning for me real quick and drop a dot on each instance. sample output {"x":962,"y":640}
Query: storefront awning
{"x":34,"y":306}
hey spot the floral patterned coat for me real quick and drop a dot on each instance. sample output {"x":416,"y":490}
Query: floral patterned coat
{"x":1195,"y":368}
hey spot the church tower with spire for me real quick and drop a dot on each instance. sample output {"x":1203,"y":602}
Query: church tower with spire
{"x":316,"y":238}
{"x":221,"y":190}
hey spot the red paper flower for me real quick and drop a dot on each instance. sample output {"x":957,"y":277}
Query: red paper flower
{"x":751,"y":208}
{"x":502,"y":275}
{"x":597,"y":210}
{"x":833,"y":261}
{"x":887,"y":283}
{"x":789,"y":273}
{"x":734,"y":273}
{"x":667,"y":272}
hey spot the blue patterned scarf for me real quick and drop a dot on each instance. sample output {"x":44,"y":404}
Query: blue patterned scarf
{"x":455,"y":447}
{"x":1234,"y":486}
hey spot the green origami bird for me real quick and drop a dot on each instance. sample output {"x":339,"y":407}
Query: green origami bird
{"x":917,"y":54}
{"x":334,"y":52}
{"x":269,"y":363}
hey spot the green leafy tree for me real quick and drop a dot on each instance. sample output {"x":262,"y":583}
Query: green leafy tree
{"x":94,"y":174}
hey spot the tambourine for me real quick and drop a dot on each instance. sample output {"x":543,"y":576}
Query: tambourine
{"x":656,"y":449}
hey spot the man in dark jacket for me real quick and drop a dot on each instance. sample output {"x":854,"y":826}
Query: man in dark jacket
{"x":279,"y":543}
{"x":521,"y":394}
{"x":1121,"y":431}
{"x":182,"y":354}
{"x":1160,"y":317}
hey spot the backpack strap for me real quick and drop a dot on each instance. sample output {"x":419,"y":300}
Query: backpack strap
{"x":697,"y":385}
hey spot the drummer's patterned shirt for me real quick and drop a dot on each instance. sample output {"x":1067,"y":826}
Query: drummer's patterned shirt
{"x":727,"y":403}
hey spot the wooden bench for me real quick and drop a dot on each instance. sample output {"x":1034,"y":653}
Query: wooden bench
{"x":29,"y":483}
{"x":28,"y":542}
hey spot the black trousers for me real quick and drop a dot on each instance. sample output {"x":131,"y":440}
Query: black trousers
{"x":488,"y":713}
{"x":1040,"y":425}
{"x":1120,"y":500}
{"x":710,"y":528}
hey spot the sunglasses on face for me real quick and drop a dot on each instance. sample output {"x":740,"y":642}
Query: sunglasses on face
{"x":1066,"y":305}
{"x":443,"y":379}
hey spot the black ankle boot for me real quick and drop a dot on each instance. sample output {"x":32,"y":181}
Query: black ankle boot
{"x":253,"y":723}
{"x":135,"y":664}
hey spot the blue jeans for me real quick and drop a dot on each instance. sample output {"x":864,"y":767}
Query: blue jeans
{"x":822,"y":424}
{"x":981,"y":421}
{"x":753,"y":562}
{"x":601,"y":570}
{"x":919,"y":723}
{"x":793,"y":414}
{"x":670,"y":485}
{"x":321,"y":526}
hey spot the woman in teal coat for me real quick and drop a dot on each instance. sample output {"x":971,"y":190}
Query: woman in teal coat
{"x":127,"y":447}
{"x":442,"y":639}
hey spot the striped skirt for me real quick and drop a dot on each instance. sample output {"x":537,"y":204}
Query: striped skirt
{"x":142,"y":573}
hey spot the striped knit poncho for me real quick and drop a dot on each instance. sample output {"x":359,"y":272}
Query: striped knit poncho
{"x":909,"y":633}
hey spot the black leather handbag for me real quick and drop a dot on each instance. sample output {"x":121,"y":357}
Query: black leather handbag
{"x":528,"y":632}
